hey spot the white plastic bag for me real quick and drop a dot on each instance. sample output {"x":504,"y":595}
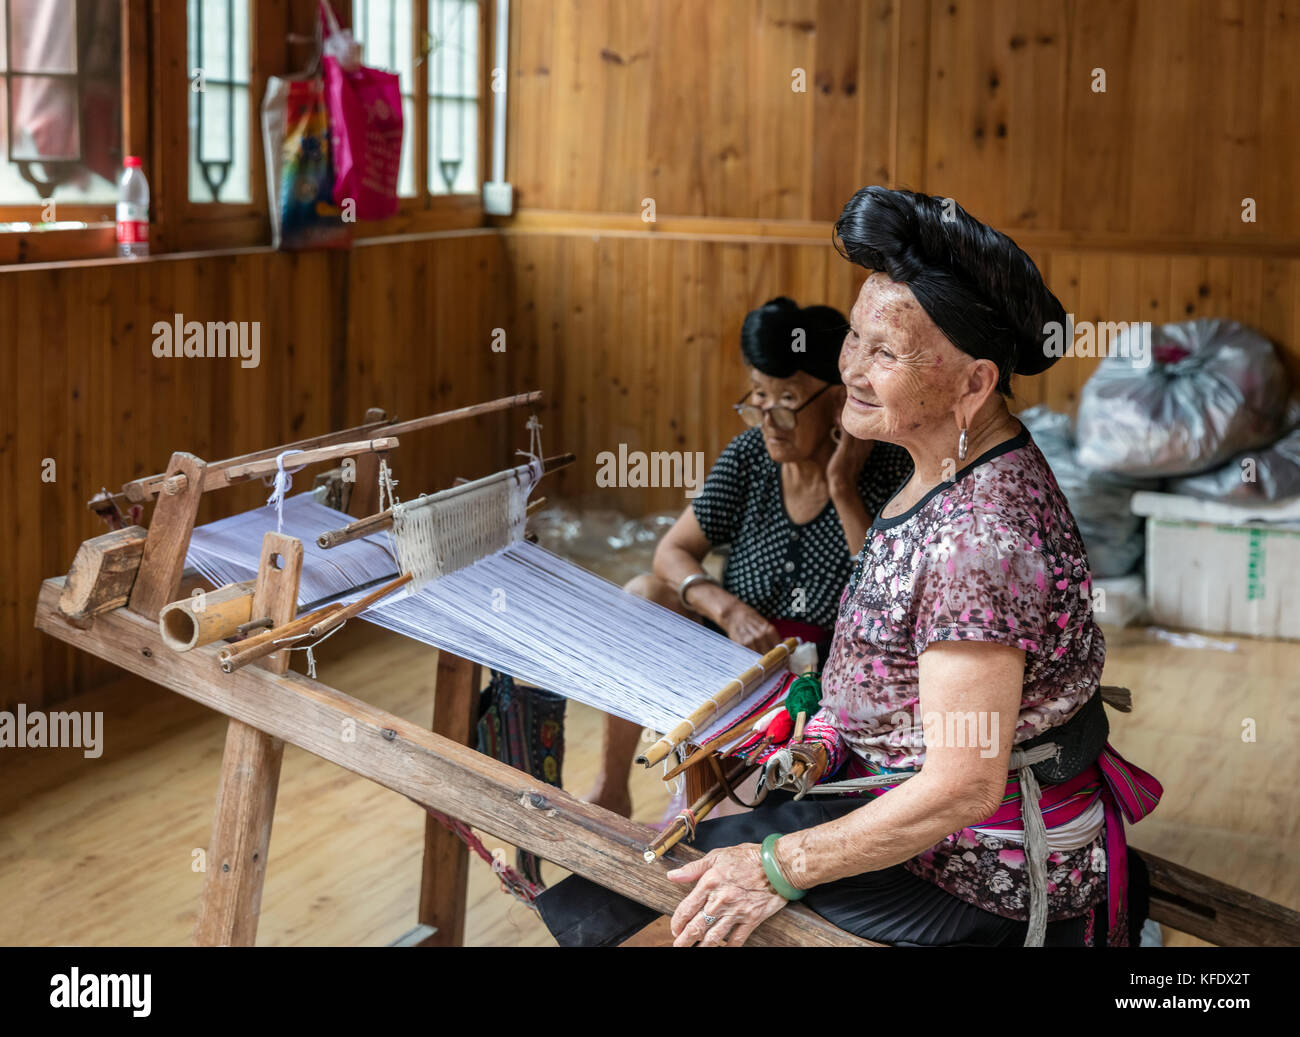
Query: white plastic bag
{"x":1270,"y":473}
{"x":1208,"y":389}
{"x":1099,"y":501}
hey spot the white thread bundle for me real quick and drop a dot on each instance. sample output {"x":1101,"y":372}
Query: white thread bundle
{"x":282,"y":482}
{"x":521,"y":610}
{"x":447,"y":531}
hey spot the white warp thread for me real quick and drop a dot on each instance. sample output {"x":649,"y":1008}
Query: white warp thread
{"x":521,"y":610}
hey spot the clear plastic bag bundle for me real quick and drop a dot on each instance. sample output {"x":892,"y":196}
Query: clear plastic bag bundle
{"x":1099,"y":501}
{"x":1271,"y":473}
{"x":1205,"y":390}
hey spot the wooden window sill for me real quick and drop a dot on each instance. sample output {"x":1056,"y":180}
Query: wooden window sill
{"x":252,"y":250}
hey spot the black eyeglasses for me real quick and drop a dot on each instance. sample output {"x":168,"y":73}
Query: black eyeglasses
{"x":783,"y":418}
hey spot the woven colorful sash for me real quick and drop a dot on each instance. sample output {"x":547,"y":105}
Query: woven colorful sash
{"x":1127,"y":793}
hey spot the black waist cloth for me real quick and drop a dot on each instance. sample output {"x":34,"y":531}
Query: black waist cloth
{"x":890,"y":906}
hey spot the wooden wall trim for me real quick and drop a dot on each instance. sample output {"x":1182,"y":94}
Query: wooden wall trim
{"x":803,"y":232}
{"x":222,"y":253}
{"x":683,"y":228}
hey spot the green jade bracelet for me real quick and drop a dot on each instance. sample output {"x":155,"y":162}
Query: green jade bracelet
{"x":773,"y":870}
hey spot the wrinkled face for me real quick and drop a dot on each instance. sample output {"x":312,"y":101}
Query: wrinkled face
{"x":814,"y":422}
{"x":901,"y":373}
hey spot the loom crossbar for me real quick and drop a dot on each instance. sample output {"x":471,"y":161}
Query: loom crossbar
{"x":140,"y":491}
{"x":382,"y":520}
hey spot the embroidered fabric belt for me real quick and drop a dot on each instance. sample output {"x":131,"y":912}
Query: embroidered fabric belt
{"x":1076,"y":782}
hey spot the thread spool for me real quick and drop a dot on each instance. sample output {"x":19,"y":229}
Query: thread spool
{"x":184,"y":626}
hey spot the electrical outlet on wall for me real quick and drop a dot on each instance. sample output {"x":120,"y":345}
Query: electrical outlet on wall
{"x":498,"y":198}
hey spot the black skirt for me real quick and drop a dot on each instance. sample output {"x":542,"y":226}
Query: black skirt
{"x":890,"y":906}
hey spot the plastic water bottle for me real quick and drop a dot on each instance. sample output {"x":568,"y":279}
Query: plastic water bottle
{"x":132,"y":210}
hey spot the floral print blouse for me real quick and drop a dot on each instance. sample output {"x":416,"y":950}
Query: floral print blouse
{"x":993,"y":555}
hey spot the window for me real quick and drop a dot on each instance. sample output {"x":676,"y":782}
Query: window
{"x":453,"y":62}
{"x":85,"y":82}
{"x":60,"y":110}
{"x":220,"y":136}
{"x":433,"y":45}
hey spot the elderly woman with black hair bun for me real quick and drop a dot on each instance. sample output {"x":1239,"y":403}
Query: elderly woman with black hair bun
{"x":970,"y":600}
{"x":791,"y":497}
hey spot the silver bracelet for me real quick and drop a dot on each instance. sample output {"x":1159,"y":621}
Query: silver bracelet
{"x":690,"y":582}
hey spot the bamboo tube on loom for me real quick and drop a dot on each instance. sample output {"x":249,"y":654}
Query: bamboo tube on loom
{"x":398,"y":428}
{"x":242,"y":472}
{"x":313,"y":625}
{"x":268,"y":466}
{"x":145,"y":489}
{"x":186,"y":624}
{"x":384,"y":519}
{"x":733,"y":690}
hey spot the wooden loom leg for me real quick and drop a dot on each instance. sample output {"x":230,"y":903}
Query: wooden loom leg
{"x":241,"y":836}
{"x":445,"y":875}
{"x":250,"y":779}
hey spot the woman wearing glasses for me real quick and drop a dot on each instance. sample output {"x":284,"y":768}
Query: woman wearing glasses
{"x":791,"y":497}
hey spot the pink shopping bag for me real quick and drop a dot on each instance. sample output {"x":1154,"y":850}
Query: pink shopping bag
{"x":365,"y":112}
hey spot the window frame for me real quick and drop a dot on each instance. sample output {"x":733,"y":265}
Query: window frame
{"x":155,"y":125}
{"x":99,"y":238}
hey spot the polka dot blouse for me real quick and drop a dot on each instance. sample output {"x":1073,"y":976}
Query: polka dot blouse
{"x":779,"y":568}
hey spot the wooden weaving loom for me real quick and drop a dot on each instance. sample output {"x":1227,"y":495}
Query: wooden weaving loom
{"x":109,"y":605}
{"x":120,"y":583}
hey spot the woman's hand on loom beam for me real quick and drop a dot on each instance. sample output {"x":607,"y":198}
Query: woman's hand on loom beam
{"x":731,"y":887}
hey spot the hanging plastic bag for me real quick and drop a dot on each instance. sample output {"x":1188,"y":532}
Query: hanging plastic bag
{"x":1204,"y":391}
{"x":299,"y":171}
{"x":365,"y":111}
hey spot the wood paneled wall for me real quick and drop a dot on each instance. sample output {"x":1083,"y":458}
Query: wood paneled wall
{"x":1129,"y":198}
{"x":1130,"y":201}
{"x":405,"y":326}
{"x":636,"y":337}
{"x":992,"y":102}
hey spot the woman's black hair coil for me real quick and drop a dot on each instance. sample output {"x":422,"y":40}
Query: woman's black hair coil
{"x":781,"y":338}
{"x":977,"y":285}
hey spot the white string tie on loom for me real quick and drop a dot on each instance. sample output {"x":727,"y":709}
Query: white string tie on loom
{"x":283,"y":483}
{"x":387,"y":486}
{"x":534,"y":451}
{"x":311,"y":658}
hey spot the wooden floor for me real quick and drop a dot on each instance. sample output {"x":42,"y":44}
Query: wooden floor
{"x":103,"y":851}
